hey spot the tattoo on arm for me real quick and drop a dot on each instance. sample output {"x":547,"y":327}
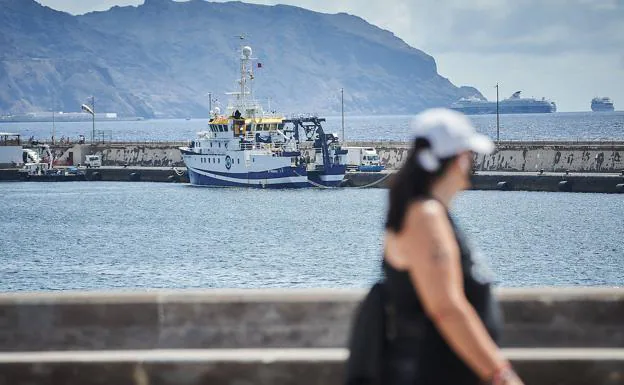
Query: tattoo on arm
{"x":439,"y":252}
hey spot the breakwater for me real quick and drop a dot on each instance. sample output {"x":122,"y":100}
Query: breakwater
{"x":527,"y":166}
{"x":552,"y":335}
{"x":511,"y":156}
{"x":481,"y":180}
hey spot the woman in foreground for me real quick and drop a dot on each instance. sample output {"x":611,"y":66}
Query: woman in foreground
{"x":443,"y":320}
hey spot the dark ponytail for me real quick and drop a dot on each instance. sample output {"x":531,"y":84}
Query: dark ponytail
{"x":411,"y":182}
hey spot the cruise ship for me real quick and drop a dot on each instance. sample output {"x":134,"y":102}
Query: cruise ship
{"x":246,"y":147}
{"x":601,"y":104}
{"x":515,"y":104}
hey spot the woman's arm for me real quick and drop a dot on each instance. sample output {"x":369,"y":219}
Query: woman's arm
{"x":431,"y":256}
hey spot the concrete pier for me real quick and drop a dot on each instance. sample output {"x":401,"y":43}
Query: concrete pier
{"x":514,"y":181}
{"x":481,"y":180}
{"x":515,"y":166}
{"x":511,"y":156}
{"x":552,"y":335}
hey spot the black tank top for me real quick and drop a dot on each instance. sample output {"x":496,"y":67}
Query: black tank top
{"x":414,"y":341}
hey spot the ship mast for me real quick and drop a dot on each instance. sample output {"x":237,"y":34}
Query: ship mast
{"x":247,"y":101}
{"x":244,"y":100}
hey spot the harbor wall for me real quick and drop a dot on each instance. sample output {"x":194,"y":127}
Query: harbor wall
{"x":512,"y":181}
{"x":483,"y":180}
{"x":570,"y":336}
{"x":605,"y":157}
{"x":528,"y":156}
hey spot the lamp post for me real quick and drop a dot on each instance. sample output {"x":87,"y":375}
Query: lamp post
{"x":93,"y":119}
{"x":497,"y":118}
{"x":91,"y":110}
{"x":53,"y":108}
{"x":342,"y":112}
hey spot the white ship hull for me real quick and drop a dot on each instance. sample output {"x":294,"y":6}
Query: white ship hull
{"x":244,"y":169}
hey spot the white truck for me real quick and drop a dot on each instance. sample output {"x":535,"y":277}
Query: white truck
{"x":363,"y":159}
{"x":93,"y":161}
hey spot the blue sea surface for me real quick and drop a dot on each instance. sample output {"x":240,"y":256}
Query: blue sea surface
{"x":555,"y":126}
{"x":114,"y":235}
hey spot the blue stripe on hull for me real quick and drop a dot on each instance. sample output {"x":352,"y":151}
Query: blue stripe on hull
{"x":204,"y":180}
{"x":276,"y":173}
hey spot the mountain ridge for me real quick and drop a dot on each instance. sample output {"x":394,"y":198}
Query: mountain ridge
{"x":162,"y":58}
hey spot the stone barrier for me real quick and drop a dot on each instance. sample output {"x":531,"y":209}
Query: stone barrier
{"x":567,"y":336}
{"x":294,"y":318}
{"x":274,"y":367}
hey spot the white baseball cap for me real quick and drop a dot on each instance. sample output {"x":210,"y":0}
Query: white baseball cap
{"x":449,"y":133}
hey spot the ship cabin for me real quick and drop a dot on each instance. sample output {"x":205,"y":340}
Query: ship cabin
{"x":243,"y":127}
{"x":10,"y":150}
{"x":240,"y":134}
{"x":10,"y":139}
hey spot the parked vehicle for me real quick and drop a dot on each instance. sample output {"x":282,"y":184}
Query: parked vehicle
{"x":363,"y":159}
{"x":93,"y":161}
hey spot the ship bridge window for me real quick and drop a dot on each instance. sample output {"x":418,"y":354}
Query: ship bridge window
{"x":225,"y":128}
{"x":280,"y":126}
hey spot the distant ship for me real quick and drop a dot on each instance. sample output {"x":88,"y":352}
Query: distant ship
{"x":512,"y":105}
{"x":602,"y":104}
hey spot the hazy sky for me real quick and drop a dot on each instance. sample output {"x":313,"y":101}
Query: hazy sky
{"x":565,"y":50}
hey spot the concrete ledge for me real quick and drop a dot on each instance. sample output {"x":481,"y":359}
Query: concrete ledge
{"x":511,"y":181}
{"x":276,"y":318}
{"x":275,"y":366}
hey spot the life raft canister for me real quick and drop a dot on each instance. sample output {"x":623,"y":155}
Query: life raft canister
{"x":228,"y":162}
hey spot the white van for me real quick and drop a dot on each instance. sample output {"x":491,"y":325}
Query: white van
{"x":93,"y":161}
{"x":363,"y":159}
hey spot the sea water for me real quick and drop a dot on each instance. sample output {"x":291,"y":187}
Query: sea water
{"x":112,"y":235}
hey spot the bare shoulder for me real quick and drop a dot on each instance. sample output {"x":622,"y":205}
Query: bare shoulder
{"x":427,"y":221}
{"x":426,"y":213}
{"x":427,"y":234}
